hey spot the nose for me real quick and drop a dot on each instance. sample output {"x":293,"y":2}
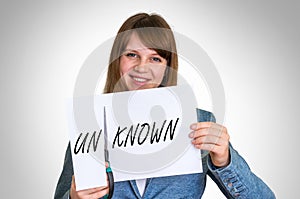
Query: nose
{"x":142,"y":66}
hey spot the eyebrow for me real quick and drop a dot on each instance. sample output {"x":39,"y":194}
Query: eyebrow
{"x":132,"y":50}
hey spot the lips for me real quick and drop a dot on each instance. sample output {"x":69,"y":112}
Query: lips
{"x":139,"y":80}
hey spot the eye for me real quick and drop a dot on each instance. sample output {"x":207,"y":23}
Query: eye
{"x":156,"y":59}
{"x":133,"y":55}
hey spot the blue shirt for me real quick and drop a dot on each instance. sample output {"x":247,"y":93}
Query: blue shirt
{"x":235,"y":180}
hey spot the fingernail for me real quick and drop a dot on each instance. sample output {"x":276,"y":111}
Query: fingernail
{"x":191,"y":134}
{"x":193,"y":126}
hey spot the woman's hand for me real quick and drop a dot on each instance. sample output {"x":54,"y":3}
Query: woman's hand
{"x":93,"y":193}
{"x":214,"y":138}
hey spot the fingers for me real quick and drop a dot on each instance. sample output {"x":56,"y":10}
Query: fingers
{"x":214,"y":138}
{"x":92,"y":193}
{"x":208,"y":147}
{"x":73,"y":185}
{"x":208,"y":129}
{"x":93,"y":190}
{"x":206,"y":125}
{"x":209,"y":139}
{"x":210,"y":136}
{"x":200,"y":125}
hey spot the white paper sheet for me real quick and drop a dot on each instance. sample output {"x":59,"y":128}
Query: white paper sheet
{"x":135,"y":119}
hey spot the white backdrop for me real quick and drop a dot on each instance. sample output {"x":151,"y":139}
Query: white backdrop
{"x":254,"y":45}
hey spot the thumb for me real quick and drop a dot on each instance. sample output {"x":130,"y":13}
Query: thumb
{"x":73,"y":185}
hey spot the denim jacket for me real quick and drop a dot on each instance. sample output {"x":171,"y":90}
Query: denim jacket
{"x":235,"y":180}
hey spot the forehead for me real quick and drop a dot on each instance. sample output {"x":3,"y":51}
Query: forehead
{"x":135,"y":43}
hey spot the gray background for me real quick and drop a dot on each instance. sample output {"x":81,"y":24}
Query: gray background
{"x":254,"y":45}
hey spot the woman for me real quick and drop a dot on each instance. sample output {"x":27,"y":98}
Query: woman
{"x":144,"y":56}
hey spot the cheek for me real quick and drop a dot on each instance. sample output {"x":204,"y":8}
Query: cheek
{"x":159,"y":72}
{"x":124,"y":66}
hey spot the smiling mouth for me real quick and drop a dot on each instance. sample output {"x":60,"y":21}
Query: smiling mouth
{"x":140,"y":80}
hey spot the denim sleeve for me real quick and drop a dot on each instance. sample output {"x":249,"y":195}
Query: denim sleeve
{"x":64,"y":183}
{"x":237,"y":180}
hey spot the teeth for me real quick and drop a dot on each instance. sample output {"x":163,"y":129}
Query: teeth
{"x":139,"y":79}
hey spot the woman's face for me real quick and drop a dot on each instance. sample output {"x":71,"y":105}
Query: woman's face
{"x":141,"y":67}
